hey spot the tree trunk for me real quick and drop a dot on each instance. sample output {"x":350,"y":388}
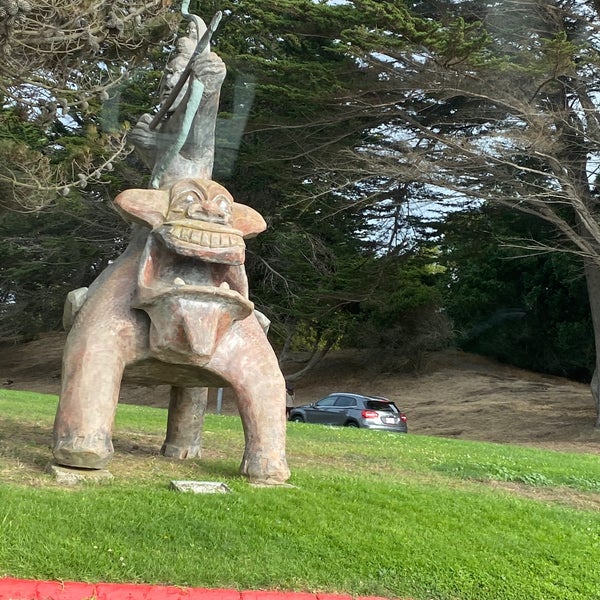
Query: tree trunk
{"x":592,"y":276}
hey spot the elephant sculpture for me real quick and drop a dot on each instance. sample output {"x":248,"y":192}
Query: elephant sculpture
{"x":174,"y":308}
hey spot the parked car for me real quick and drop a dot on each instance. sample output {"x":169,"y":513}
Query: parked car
{"x":352,"y":410}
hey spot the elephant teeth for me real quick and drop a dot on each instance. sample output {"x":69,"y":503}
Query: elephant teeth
{"x":206,"y":238}
{"x":224,"y":286}
{"x":178,"y":281}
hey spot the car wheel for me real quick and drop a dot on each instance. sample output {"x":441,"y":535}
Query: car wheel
{"x":297,"y":419}
{"x":351,"y":424}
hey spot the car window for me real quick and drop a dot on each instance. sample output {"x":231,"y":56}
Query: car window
{"x":345,"y":401}
{"x":329,"y":401}
{"x":383,"y":406}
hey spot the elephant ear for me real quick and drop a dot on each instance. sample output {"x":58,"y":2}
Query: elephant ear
{"x":146,"y":207}
{"x":247,"y":220}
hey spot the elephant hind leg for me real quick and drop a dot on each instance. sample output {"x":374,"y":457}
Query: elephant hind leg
{"x":185,"y":422}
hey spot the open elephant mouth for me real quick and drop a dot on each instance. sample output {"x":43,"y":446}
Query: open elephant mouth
{"x":191,"y":302}
{"x":203,"y":268}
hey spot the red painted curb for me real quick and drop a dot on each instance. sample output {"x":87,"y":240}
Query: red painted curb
{"x":26,"y":589}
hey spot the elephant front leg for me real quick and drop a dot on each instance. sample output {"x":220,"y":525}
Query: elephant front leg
{"x":187,"y":407}
{"x":261,"y":404}
{"x":246,"y":359}
{"x":91,"y":379}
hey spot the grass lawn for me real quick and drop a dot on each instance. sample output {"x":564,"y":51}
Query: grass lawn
{"x":371,"y":513}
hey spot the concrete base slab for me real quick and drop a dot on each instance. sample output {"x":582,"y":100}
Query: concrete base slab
{"x":74,"y":476}
{"x":201,"y":487}
{"x":273,"y":485}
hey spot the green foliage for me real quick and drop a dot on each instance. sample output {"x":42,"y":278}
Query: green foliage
{"x":14,"y":129}
{"x":530,"y":310}
{"x":308,"y":273}
{"x":316,"y":271}
{"x":392,"y":27}
{"x":61,"y":147}
{"x":402,"y":312}
{"x":497,"y":102}
{"x":290,"y":48}
{"x":321,"y":78}
{"x":370,"y":514}
{"x":45,"y":255}
{"x":23,"y":162}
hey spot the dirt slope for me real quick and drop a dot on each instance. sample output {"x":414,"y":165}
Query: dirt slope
{"x":456,"y":394}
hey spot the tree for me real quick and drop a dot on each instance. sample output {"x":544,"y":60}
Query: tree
{"x":65,"y":68}
{"x":316,"y":270}
{"x":46,"y":254}
{"x":487,"y":102}
{"x":62,"y":64}
{"x":529,"y":310}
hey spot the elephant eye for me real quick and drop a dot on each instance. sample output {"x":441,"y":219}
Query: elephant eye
{"x":223,"y":203}
{"x":189,"y":198}
{"x":182,"y":202}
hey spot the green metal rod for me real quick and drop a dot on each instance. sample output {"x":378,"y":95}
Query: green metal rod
{"x":202,"y":43}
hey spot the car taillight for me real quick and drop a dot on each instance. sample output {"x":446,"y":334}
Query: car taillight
{"x":369,"y":414}
{"x":403,"y":417}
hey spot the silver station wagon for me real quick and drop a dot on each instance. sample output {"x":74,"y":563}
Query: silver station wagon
{"x":352,"y":410}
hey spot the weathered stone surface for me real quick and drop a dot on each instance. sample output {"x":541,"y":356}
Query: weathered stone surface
{"x":73,"y":476}
{"x":201,"y":487}
{"x":74,"y":301}
{"x":184,"y":426}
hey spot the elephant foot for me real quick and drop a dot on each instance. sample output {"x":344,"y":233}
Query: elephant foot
{"x":180,"y":452}
{"x":267,"y":470}
{"x":83,"y":452}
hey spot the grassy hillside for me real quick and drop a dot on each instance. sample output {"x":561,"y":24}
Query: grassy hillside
{"x":454,"y":394}
{"x":370,"y":513}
